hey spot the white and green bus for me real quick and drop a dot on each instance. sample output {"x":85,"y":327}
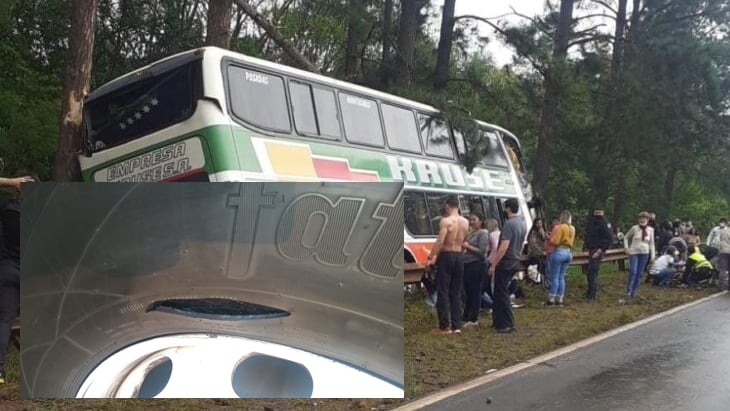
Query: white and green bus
{"x":214,"y":115}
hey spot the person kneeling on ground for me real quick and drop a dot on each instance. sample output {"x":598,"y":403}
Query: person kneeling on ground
{"x":663,"y":269}
{"x":698,"y":267}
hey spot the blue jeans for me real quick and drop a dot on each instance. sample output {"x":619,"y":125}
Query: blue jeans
{"x":637,"y":263}
{"x":558,"y":262}
{"x":664,"y":275}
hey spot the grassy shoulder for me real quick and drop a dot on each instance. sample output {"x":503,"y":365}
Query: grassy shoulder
{"x":433,"y":362}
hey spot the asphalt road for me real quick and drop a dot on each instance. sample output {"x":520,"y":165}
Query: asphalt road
{"x":678,"y":362}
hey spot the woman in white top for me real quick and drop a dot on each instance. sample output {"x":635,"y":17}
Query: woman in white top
{"x":639,"y":245}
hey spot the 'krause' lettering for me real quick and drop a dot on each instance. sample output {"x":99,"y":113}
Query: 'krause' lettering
{"x":401,"y":169}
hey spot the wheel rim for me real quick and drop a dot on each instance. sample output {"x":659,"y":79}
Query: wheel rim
{"x":215,"y":366}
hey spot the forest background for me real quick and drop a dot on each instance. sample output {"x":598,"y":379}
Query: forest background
{"x":632,"y":118}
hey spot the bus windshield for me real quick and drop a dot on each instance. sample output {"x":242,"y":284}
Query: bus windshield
{"x":142,"y":107}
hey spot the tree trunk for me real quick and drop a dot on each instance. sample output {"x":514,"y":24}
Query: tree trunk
{"x":219,"y":23}
{"x":664,"y":209}
{"x":619,"y":190}
{"x":355,"y":32}
{"x":385,"y":63}
{"x":551,"y":100}
{"x":606,"y":135}
{"x":443,"y":55}
{"x":75,"y":88}
{"x":275,"y":35}
{"x":408,"y":25}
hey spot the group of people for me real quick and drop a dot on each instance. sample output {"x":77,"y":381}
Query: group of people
{"x":469,"y":259}
{"x":463,"y":253}
{"x":684,"y":259}
{"x":551,"y":252}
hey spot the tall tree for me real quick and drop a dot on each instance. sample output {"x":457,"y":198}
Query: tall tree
{"x":605,"y":139}
{"x":551,"y":100}
{"x":75,"y":88}
{"x":443,"y":55}
{"x":385,"y":60}
{"x":407,"y":29}
{"x":356,"y":30}
{"x":219,"y":23}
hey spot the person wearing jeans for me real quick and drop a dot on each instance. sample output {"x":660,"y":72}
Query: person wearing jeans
{"x":639,"y":245}
{"x":663,"y":268}
{"x":475,"y":266}
{"x":504,"y":264}
{"x":562,"y":238}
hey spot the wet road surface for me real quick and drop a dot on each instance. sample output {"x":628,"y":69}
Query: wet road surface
{"x":678,"y":362}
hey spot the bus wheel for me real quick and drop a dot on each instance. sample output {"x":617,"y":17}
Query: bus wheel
{"x":211,"y":290}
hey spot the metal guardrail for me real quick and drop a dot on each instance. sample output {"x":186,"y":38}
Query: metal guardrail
{"x":414,"y":271}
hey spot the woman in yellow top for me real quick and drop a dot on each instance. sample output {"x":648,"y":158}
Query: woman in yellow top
{"x":561,"y":239}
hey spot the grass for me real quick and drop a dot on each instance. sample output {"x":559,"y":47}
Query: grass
{"x":431,"y":361}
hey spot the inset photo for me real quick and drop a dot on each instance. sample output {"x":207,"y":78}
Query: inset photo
{"x":229,"y":290}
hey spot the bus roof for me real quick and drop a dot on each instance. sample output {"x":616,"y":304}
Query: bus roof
{"x":179,"y":59}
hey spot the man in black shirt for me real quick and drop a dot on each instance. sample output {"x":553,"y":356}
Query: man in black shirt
{"x":9,"y":265}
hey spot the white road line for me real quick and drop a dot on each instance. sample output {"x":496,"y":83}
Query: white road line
{"x":451,"y":391}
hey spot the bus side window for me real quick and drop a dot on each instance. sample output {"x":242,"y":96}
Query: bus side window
{"x":435,"y":136}
{"x":259,"y":98}
{"x":492,"y":209}
{"x":416,"y":213}
{"x":362,"y":120}
{"x":315,"y":111}
{"x":303,"y":108}
{"x":471,"y":203}
{"x":436,"y":202}
{"x":327,"y":116}
{"x":400,"y":128}
{"x":495,"y":156}
{"x":460,"y":142}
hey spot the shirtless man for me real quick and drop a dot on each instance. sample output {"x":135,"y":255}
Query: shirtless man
{"x":450,"y":273}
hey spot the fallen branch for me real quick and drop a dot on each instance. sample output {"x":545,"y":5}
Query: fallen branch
{"x":276,"y":36}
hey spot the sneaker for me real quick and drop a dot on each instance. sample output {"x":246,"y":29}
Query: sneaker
{"x":507,"y":330}
{"x":441,"y":331}
{"x":470,"y":324}
{"x":515,"y":305}
{"x":2,"y":378}
{"x":457,"y":331}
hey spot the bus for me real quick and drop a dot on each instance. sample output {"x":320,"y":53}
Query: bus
{"x":211,"y":114}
